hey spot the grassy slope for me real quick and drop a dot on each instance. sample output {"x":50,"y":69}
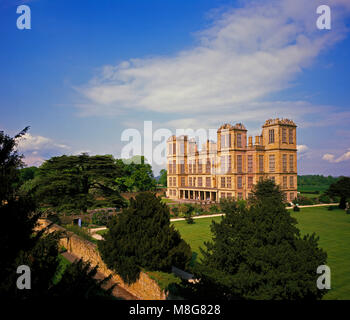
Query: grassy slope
{"x":333,"y":228}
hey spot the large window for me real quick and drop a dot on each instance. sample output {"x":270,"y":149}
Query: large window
{"x":239,"y":140}
{"x":250,"y":163}
{"x":291,"y":136}
{"x":239,"y":163}
{"x":250,"y":182}
{"x":239,"y":182}
{"x":291,"y":163}
{"x":200,"y":182}
{"x":261,"y":163}
{"x":222,"y":182}
{"x":284,"y":162}
{"x":272,"y":163}
{"x":284,"y":182}
{"x":208,"y":166}
{"x":291,"y":181}
{"x":208,"y":182}
{"x":182,"y":168}
{"x":182,"y":181}
{"x":284,"y":135}
{"x":229,"y":168}
{"x":271,"y":136}
{"x":228,"y":182}
{"x":190,"y":181}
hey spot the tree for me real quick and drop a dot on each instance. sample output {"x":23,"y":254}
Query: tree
{"x":163,"y":179}
{"x":142,"y":237}
{"x":76,"y":183}
{"x":137,"y":175}
{"x":258,"y":253}
{"x":19,"y":243}
{"x":341,"y":188}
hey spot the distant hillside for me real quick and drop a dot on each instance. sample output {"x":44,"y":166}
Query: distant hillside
{"x":315,"y":182}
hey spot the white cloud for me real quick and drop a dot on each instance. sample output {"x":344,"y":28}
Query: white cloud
{"x":32,"y":143}
{"x":37,"y":149}
{"x":302,"y":148}
{"x":331,"y":157}
{"x":246,"y":55}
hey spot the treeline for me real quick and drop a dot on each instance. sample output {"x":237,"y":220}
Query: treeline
{"x":76,"y":183}
{"x":315,"y":182}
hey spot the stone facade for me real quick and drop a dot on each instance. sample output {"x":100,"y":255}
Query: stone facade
{"x":144,"y":288}
{"x":230,"y":167}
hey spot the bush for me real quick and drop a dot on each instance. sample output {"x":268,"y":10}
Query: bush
{"x":142,"y":237}
{"x":348,"y":211}
{"x":303,"y":201}
{"x":175,"y":211}
{"x":296,"y":209}
{"x":324,"y":198}
{"x":101,"y":218}
{"x":330,"y":208}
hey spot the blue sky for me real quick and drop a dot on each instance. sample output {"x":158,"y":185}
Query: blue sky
{"x":87,"y":70}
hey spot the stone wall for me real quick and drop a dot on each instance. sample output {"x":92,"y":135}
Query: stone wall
{"x":144,"y":288}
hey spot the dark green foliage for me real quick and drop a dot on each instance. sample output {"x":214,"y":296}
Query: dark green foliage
{"x":324,"y":199}
{"x":303,"y":201}
{"x":348,"y":211}
{"x":79,"y":281}
{"x":341,"y":188}
{"x":189,"y":214}
{"x":175,"y":211}
{"x":72,"y":183}
{"x":163,"y":179}
{"x":296,"y":209}
{"x":257,"y":252}
{"x":101,"y":218}
{"x":315,"y":182}
{"x":330,"y":208}
{"x":19,"y":244}
{"x":136,"y":175}
{"x":142,"y":237}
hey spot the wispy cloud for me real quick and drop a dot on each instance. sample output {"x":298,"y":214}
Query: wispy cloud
{"x":247,"y":54}
{"x":331,"y":157}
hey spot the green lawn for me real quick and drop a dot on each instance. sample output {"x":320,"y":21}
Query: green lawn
{"x":333,"y":228}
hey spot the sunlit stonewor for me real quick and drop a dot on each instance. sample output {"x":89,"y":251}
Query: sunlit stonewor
{"x":230,"y":167}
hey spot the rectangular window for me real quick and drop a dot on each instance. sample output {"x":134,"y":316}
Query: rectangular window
{"x":239,"y":140}
{"x":250,"y":182}
{"x":222,"y":195}
{"x":208,"y":166}
{"x":291,"y":163}
{"x":229,"y":195}
{"x":239,"y":163}
{"x":284,"y":182}
{"x":229,"y":168}
{"x":174,"y":167}
{"x":222,"y":182}
{"x":271,"y":136}
{"x":239,"y":182}
{"x":182,"y":181}
{"x":174,"y":148}
{"x":174,"y":181}
{"x":261,"y":163}
{"x":190,"y":181}
{"x":182,"y":168}
{"x":200,"y":182}
{"x":170,"y":168}
{"x":240,"y":195}
{"x":250,"y":163}
{"x":290,"y":136}
{"x":228,"y":182}
{"x":207,"y":182}
{"x":284,"y":162}
{"x":291,"y":181}
{"x":222,"y":165}
{"x":272,"y":163}
{"x":194,"y":182}
{"x":224,"y":140}
{"x":199,"y":166}
{"x":291,"y":196}
{"x":284,"y":135}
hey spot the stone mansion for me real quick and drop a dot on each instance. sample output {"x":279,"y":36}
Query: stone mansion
{"x":231,"y":167}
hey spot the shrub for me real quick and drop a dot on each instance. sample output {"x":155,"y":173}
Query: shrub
{"x":324,"y":198}
{"x":142,"y":237}
{"x":101,"y":218}
{"x":175,"y":211}
{"x":296,"y":209}
{"x":330,"y":208}
{"x":348,"y":211}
